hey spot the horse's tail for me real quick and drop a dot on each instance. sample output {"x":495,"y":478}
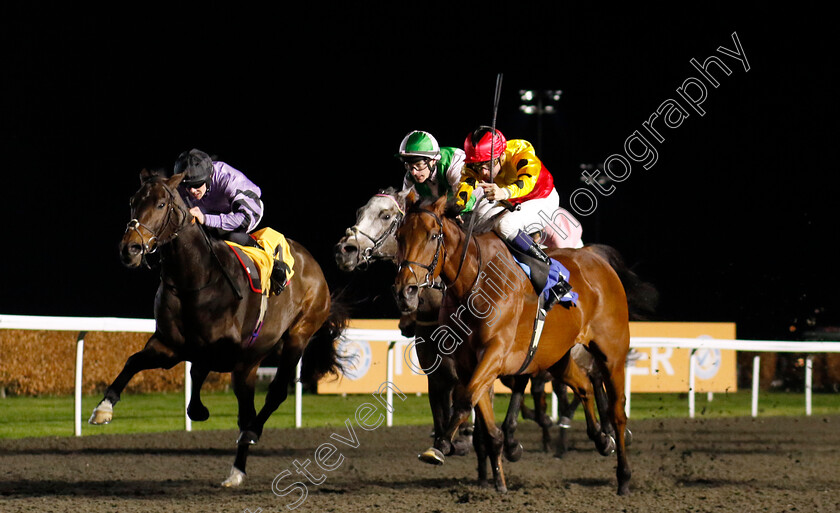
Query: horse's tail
{"x":321,"y":356}
{"x":642,"y":296}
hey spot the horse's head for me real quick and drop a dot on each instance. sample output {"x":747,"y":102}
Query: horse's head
{"x":157,"y":214}
{"x":372,"y":236}
{"x":421,"y":251}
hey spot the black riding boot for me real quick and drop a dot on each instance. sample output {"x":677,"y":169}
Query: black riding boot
{"x":560,"y":289}
{"x":524,"y":242}
{"x":278,"y":277}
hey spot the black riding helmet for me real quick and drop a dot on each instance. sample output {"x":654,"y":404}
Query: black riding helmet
{"x":196,"y":166}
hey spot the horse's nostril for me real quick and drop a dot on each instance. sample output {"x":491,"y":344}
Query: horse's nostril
{"x":349,"y":249}
{"x":134,"y":249}
{"x":411,"y":290}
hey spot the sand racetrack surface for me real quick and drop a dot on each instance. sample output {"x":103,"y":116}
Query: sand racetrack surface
{"x":721,"y":465}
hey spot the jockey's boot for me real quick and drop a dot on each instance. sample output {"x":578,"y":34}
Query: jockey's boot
{"x":524,"y":242}
{"x":278,"y":275}
{"x":555,"y":293}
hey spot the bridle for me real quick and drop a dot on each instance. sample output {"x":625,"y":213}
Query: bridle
{"x":366,"y":256}
{"x":149,"y":246}
{"x":430,"y":269}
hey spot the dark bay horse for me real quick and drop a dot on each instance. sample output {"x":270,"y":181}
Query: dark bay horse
{"x":491,"y":333}
{"x":206,"y":313}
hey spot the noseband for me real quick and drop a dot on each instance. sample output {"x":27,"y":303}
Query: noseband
{"x":430,"y":269}
{"x":146,"y":244}
{"x":368,"y":254}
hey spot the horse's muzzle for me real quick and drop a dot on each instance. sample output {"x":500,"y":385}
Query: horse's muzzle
{"x":407,"y":298}
{"x":346,"y":254}
{"x":131,"y":254}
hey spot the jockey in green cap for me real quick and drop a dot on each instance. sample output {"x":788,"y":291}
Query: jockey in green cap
{"x":431,"y":170}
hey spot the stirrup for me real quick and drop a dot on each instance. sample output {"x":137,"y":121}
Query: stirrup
{"x":556,"y":293}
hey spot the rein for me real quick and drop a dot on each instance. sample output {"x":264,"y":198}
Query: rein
{"x":135,"y":225}
{"x":430,"y":269}
{"x":440,"y":249}
{"x":146,"y":249}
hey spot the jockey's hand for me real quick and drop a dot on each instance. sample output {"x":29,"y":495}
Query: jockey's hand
{"x":199,"y":216}
{"x":493,"y":192}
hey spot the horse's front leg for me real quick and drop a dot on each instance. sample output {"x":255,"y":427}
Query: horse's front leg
{"x":290,"y":354}
{"x":513,"y":449}
{"x":494,"y":440}
{"x":153,"y":356}
{"x":466,"y":397}
{"x":243,"y":388}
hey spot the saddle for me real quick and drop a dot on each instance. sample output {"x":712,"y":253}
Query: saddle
{"x":543,"y":276}
{"x":259,"y":262}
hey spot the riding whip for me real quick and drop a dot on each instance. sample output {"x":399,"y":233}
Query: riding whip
{"x":496,"y":97}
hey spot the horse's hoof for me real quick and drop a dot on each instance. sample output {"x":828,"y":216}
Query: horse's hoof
{"x":628,"y":437}
{"x":247,"y":438}
{"x":102,"y":414}
{"x":461,"y":446}
{"x":564,"y":422}
{"x":198,"y":413}
{"x":513,"y":452}
{"x":432,"y":456}
{"x":609,"y":448}
{"x":235,"y":478}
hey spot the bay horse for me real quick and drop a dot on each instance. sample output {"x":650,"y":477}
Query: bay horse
{"x":373,"y":239}
{"x":206,"y":313}
{"x":491,"y":335}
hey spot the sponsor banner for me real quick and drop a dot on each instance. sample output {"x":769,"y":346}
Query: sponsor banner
{"x":652,"y":370}
{"x":659,"y":369}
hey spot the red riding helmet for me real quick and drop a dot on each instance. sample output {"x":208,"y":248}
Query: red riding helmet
{"x":477,"y":145}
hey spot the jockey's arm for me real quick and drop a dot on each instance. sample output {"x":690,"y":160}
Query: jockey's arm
{"x":528,"y":168}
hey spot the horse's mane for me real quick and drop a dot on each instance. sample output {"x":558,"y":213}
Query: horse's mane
{"x":452,"y":211}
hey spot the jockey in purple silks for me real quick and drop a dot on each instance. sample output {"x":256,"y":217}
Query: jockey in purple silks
{"x":224,"y":200}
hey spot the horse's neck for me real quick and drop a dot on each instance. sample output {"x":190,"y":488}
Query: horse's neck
{"x":461,"y":276}
{"x":187,"y":260}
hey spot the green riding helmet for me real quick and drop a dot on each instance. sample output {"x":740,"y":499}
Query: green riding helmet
{"x":419,"y":144}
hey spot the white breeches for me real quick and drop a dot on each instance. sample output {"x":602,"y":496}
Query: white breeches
{"x":533,"y":216}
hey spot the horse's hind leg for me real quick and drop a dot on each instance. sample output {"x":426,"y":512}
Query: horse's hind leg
{"x":278,"y":390}
{"x":580,"y":383}
{"x":196,"y":409}
{"x":153,"y":356}
{"x":538,"y":382}
{"x":243,"y":388}
{"x":615,"y":369}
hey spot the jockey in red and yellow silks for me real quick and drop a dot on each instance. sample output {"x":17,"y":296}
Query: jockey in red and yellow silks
{"x":522,"y":175}
{"x":501,"y":170}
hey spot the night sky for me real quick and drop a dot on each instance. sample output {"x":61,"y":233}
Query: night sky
{"x":735,"y":221}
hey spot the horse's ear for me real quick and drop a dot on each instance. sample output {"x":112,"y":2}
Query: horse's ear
{"x":440,"y":205}
{"x":411,"y":197}
{"x":151,"y":174}
{"x":146,"y":175}
{"x":175,"y":180}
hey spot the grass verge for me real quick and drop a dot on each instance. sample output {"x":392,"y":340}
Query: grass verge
{"x":22,"y":417}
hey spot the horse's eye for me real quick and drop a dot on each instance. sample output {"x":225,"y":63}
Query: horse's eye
{"x":161,"y":204}
{"x":386,"y":216}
